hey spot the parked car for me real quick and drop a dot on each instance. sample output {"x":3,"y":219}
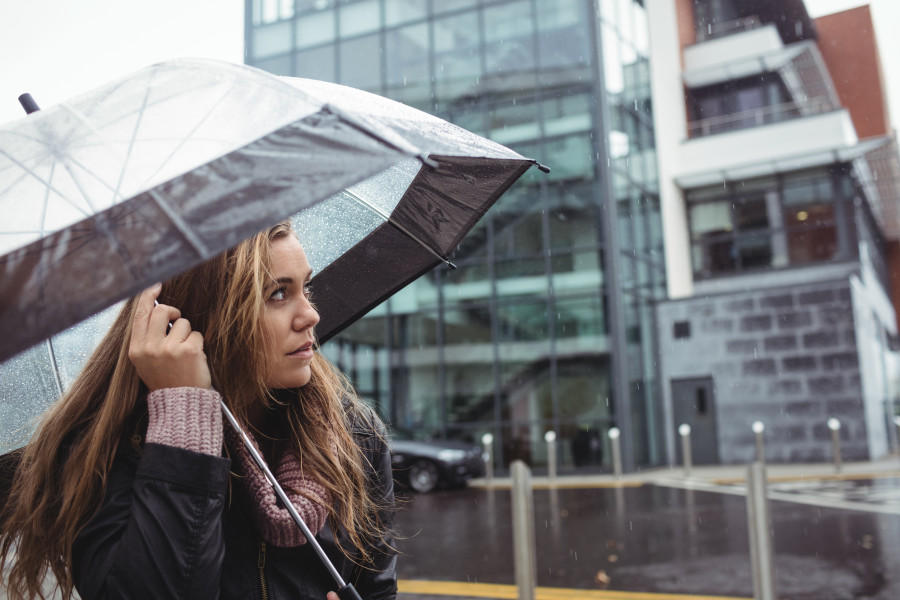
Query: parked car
{"x":423,"y":465}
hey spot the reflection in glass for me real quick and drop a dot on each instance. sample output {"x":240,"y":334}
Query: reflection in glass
{"x":406,"y":61}
{"x":316,"y":28}
{"x":317,"y":63}
{"x":360,"y":17}
{"x":360,"y":63}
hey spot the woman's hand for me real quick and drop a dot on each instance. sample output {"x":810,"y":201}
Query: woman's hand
{"x":332,"y":596}
{"x":164,"y":357}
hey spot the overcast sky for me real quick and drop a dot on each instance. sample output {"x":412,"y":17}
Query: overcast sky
{"x":55,"y":49}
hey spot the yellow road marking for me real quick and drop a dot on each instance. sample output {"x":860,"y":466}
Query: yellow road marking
{"x":510,"y":592}
{"x":811,"y":478}
{"x":540,"y":485}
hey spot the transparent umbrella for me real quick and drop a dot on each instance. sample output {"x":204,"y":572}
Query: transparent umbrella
{"x":152,"y":174}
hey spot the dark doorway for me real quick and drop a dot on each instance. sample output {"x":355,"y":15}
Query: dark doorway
{"x":694,"y":403}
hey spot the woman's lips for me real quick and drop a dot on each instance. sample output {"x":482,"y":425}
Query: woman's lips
{"x":305,"y":351}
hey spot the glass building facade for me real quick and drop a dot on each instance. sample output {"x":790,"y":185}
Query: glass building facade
{"x":547,"y":322}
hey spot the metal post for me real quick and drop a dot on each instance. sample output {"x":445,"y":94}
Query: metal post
{"x":616,"y":452}
{"x":835,"y":426}
{"x":550,"y":438}
{"x":487,"y":440}
{"x":897,"y":423}
{"x":525,"y":559}
{"x":684,"y":430}
{"x":760,"y":530}
{"x":758,"y":428}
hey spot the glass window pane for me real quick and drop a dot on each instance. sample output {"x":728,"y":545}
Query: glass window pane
{"x":562,"y":33}
{"x":813,"y":244}
{"x":442,"y":6}
{"x":526,"y":321}
{"x":457,"y":57}
{"x":419,"y":404}
{"x":279,"y":65}
{"x":575,"y":272}
{"x":709,"y":219}
{"x":397,"y":12}
{"x":360,"y":63}
{"x":509,"y":40}
{"x":581,"y":321}
{"x":525,"y":388}
{"x":470,"y":392}
{"x":585,"y":384}
{"x":359,"y":18}
{"x":315,"y":28}
{"x":272,"y":39}
{"x":406,"y":61}
{"x":574,"y":222}
{"x":467,"y":325}
{"x":317,"y":63}
{"x":572,"y":157}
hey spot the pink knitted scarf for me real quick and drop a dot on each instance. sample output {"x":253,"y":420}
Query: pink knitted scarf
{"x":190,"y":418}
{"x":272,"y":519}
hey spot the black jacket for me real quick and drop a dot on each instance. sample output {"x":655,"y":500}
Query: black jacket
{"x":168,"y":530}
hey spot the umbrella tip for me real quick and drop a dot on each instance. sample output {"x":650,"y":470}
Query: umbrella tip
{"x":28,"y":103}
{"x":542,"y":168}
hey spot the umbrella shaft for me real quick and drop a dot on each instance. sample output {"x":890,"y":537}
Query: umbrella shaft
{"x":279,"y":491}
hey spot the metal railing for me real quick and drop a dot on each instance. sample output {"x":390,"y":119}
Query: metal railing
{"x":717,"y":30}
{"x":764,"y":115}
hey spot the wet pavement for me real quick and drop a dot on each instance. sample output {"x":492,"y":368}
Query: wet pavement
{"x":659,"y":537}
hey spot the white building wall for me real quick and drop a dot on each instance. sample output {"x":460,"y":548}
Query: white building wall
{"x":670,"y":123}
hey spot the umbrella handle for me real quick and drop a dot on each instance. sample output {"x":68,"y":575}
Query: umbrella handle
{"x":345,"y":591}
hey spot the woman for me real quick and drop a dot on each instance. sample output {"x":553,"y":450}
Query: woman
{"x":132,"y":488}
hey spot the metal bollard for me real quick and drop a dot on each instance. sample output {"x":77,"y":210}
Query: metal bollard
{"x":835,"y":426}
{"x":487,"y":441}
{"x":616,"y":451}
{"x":525,"y":559}
{"x":684,"y":430}
{"x":758,"y":428}
{"x":550,"y":438}
{"x":760,"y":530}
{"x":897,"y":423}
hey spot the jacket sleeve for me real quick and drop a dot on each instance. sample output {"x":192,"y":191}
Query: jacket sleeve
{"x":158,"y":532}
{"x":379,"y":581}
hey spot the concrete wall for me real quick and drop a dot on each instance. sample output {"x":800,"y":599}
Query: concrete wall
{"x":787,"y":356}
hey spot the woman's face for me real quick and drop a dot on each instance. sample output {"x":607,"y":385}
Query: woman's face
{"x":288,"y":317}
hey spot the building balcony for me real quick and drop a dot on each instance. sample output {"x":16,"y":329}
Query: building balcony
{"x":779,"y":147}
{"x":751,"y":79}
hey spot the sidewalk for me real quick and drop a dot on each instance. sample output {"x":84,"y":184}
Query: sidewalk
{"x":709,"y":475}
{"x":667,"y":543}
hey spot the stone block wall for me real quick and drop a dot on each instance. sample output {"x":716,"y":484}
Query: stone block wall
{"x":785,"y":356}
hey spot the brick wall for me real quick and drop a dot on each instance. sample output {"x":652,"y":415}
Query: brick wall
{"x":787,"y":357}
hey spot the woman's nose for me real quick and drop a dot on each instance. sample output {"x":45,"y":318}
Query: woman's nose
{"x":306,"y":316}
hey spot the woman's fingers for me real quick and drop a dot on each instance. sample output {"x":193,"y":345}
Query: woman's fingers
{"x":165,"y":357}
{"x":145,"y":305}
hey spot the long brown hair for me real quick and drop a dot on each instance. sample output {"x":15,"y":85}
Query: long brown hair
{"x":61,"y":480}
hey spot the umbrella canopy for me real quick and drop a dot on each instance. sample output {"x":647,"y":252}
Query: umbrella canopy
{"x":150,"y":175}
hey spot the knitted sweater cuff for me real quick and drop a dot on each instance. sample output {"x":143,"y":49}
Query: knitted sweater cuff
{"x":188,"y":418}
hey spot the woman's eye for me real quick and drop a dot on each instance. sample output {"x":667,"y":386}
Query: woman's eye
{"x":279,"y":294}
{"x":307,"y":290}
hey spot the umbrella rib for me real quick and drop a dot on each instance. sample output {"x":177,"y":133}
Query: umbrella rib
{"x":55,"y":366}
{"x":189,"y":134}
{"x":43,"y":222}
{"x":399,"y":144}
{"x":45,"y":182}
{"x":137,"y":125}
{"x":180,"y":225}
{"x":400,"y":228}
